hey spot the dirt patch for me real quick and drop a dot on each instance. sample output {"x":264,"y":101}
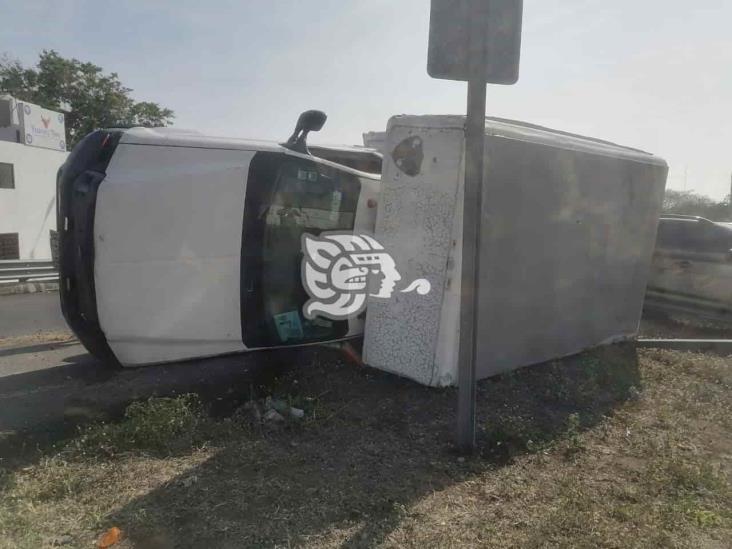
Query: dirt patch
{"x":611,"y":448}
{"x":38,"y":338}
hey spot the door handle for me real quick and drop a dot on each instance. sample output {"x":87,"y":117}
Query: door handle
{"x":684,"y":264}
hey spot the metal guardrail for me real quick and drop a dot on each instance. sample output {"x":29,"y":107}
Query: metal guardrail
{"x":24,"y":270}
{"x":719,"y":346}
{"x":687,"y":305}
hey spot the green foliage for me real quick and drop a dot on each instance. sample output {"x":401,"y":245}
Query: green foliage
{"x":690,"y":203}
{"x":514,"y":434}
{"x":690,"y":478}
{"x":705,"y":518}
{"x":156,"y":425}
{"x":96,"y":100}
{"x":575,"y":443}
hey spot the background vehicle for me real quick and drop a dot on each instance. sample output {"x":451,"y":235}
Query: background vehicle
{"x":175,"y":245}
{"x":692,"y":267}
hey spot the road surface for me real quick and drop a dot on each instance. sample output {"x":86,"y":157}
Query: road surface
{"x":48,"y":381}
{"x":24,"y":314}
{"x":51,"y":384}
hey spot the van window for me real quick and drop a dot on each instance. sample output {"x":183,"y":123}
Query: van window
{"x":286,"y":197}
{"x":678,"y":234}
{"x":9,"y":246}
{"x":7,"y":176}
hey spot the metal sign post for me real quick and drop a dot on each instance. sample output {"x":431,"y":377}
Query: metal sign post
{"x":470,"y":279}
{"x":478,"y":41}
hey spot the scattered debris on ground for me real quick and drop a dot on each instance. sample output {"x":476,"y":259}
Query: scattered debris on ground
{"x":111,"y":537}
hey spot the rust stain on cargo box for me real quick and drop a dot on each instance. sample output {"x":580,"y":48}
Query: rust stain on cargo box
{"x":408,"y":155}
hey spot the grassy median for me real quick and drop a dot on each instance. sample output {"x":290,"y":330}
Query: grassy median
{"x":611,"y":448}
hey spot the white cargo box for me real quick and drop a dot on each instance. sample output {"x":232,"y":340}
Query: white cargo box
{"x":568,"y":229}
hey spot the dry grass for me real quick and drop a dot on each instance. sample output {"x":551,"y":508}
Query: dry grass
{"x":607,"y":449}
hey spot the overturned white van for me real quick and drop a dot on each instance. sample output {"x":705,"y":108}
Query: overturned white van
{"x":174,"y":245}
{"x":567,"y":232}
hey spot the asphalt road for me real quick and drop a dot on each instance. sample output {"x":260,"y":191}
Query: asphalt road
{"x":45,"y":386}
{"x":48,"y":382}
{"x":25,"y":314}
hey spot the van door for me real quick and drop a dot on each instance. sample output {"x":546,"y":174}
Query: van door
{"x":286,"y":197}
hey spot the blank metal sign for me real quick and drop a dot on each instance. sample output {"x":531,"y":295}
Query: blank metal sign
{"x":466,"y":32}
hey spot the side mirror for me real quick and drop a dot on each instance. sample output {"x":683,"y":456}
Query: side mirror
{"x":309,"y":121}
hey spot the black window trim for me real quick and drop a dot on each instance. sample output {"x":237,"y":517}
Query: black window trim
{"x":12,"y":176}
{"x":15,"y":245}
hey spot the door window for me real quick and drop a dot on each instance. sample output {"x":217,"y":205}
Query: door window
{"x":286,"y":197}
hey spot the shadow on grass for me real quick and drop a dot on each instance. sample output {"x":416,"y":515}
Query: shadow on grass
{"x":41,"y":410}
{"x":372,"y":445}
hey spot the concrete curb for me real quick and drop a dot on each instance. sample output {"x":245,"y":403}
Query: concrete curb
{"x":720,"y":346}
{"x":28,"y":288}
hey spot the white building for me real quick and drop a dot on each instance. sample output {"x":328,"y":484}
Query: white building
{"x":32,"y":148}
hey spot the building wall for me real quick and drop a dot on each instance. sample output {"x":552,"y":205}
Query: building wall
{"x":30,"y":208}
{"x":10,"y":133}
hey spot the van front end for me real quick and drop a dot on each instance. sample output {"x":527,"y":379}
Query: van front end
{"x":76,"y":193}
{"x":175,"y":246}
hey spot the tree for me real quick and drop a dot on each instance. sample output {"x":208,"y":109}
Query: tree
{"x":90,"y":98}
{"x":690,"y":203}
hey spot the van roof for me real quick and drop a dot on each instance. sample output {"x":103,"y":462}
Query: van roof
{"x":174,"y":137}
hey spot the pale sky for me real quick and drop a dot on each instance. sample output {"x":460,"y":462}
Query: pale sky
{"x":651,"y":74}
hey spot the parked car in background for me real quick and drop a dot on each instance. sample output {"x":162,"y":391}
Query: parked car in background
{"x":692,"y":267}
